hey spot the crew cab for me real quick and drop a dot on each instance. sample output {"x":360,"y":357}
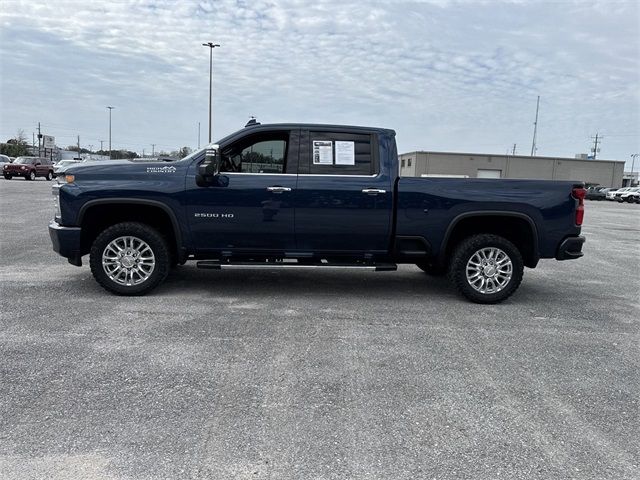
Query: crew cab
{"x":316,"y":196}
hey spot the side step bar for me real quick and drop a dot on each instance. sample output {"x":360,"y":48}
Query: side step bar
{"x":216,"y":265}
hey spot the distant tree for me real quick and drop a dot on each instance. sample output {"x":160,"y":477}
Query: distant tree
{"x":74,"y":148}
{"x":181,"y":152}
{"x":123,"y":154}
{"x":16,"y":146}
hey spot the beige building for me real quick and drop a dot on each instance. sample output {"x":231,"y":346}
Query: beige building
{"x":473,"y":165}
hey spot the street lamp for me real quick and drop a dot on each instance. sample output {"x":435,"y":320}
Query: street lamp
{"x":211,"y":47}
{"x":110,"y":108}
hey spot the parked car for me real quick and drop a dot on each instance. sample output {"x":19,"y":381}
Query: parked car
{"x":628,"y":195}
{"x":634,"y":197}
{"x":29,"y":168}
{"x":60,"y":167}
{"x":596,"y":193}
{"x":309,"y":196}
{"x":4,"y":160}
{"x":611,"y":194}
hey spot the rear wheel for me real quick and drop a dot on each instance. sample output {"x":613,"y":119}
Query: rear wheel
{"x":486,"y":268}
{"x":130,"y":258}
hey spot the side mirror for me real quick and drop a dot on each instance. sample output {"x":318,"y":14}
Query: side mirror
{"x":209,"y":168}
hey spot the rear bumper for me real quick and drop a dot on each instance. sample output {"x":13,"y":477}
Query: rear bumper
{"x":66,"y":242}
{"x":570,"y":248}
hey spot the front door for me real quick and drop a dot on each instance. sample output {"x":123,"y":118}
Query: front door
{"x":250,"y":208}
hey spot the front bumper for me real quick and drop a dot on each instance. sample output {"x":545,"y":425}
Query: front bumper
{"x":570,"y":248}
{"x":66,"y":242}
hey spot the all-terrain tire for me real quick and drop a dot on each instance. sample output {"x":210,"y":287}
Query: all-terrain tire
{"x":463,"y":253}
{"x":141,"y":231}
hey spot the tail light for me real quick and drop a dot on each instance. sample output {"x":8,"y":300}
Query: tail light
{"x":579,"y":193}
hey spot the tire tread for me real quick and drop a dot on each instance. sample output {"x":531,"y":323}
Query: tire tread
{"x":457,"y":267}
{"x":140,"y":230}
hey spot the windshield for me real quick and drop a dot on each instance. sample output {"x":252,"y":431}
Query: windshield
{"x":25,"y":160}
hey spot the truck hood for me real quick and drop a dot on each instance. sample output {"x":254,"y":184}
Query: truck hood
{"x":116,"y":168}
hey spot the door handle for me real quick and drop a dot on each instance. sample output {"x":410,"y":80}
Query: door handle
{"x":278,"y":189}
{"x":373,"y":191}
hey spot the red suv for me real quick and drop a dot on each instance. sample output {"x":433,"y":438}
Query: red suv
{"x":29,"y":168}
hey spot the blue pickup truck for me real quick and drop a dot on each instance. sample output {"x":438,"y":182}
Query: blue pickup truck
{"x":301,"y":195}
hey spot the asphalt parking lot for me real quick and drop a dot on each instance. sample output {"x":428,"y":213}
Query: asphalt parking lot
{"x":317,"y":374}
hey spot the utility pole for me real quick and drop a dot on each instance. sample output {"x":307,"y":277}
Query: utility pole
{"x":211,"y":47}
{"x":535,"y":129}
{"x":101,"y":142}
{"x":143,"y":153}
{"x":198,"y":135}
{"x":33,"y":139}
{"x":110,"y":108}
{"x":595,"y":145}
{"x":79,"y":147}
{"x":39,"y":138}
{"x":513,"y":152}
{"x":153,"y":149}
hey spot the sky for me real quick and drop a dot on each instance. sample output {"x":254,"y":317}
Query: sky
{"x":447,"y":75}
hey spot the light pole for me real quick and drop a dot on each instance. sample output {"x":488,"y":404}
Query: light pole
{"x":110,"y":108}
{"x":211,"y":47}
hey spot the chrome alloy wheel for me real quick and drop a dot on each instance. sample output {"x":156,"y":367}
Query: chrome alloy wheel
{"x":489,"y":270}
{"x":128,"y":261}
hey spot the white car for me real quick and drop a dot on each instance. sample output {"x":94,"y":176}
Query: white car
{"x":611,"y":194}
{"x":62,"y":165}
{"x":4,"y":160}
{"x":630,"y":195}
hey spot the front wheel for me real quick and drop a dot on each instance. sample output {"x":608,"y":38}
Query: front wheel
{"x":30,"y":176}
{"x":486,"y":268}
{"x":49,"y":175}
{"x":130,"y":258}
{"x":8,"y":177}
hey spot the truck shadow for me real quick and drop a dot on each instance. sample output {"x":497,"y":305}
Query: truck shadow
{"x":303,"y":282}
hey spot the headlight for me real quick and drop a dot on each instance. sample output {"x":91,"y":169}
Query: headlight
{"x":23,"y":168}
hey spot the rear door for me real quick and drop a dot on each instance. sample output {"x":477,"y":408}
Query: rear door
{"x":344,"y":198}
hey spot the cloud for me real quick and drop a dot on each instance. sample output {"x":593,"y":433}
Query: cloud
{"x":447,"y":75}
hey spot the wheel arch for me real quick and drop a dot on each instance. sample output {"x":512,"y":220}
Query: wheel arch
{"x":151,"y":212}
{"x":524,"y":235}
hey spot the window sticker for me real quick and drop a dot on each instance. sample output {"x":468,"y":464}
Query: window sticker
{"x":322,"y":152}
{"x":345,"y":153}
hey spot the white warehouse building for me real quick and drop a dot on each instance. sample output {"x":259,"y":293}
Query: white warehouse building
{"x":607,"y":173}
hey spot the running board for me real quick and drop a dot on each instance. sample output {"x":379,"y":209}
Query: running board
{"x":216,"y":265}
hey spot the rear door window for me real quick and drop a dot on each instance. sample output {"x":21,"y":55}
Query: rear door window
{"x":336,"y":153}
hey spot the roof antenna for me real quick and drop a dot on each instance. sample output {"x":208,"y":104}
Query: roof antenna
{"x":252,"y":122}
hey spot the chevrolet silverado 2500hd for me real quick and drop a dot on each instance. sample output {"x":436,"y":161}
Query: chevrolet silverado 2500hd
{"x":309,"y":195}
